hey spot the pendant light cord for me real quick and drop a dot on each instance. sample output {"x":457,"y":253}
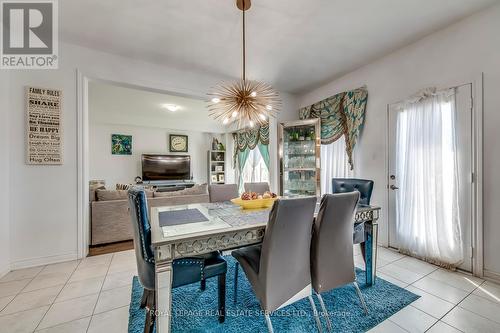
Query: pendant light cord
{"x":243,"y":40}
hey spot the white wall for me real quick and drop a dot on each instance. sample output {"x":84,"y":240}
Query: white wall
{"x":4,"y":171}
{"x":461,"y":51}
{"x":43,"y":199}
{"x":124,"y":168}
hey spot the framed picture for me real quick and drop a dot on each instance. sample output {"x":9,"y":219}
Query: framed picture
{"x":219,"y":168}
{"x":178,"y":143}
{"x":121,"y":144}
{"x":214,"y":179}
{"x":221,"y":178}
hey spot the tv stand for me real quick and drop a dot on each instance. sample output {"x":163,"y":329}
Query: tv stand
{"x":170,"y":185}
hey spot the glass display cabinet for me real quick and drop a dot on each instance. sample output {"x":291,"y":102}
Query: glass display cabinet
{"x":299,"y":156}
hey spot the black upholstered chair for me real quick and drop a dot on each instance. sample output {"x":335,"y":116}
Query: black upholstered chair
{"x":185,"y":271}
{"x":279,"y":268}
{"x":257,"y":187}
{"x":222,"y":192}
{"x":365,"y":189}
{"x":332,"y":261}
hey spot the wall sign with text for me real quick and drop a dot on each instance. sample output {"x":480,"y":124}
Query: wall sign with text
{"x":43,"y":126}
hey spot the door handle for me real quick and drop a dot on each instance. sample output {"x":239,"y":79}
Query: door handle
{"x":392,"y":187}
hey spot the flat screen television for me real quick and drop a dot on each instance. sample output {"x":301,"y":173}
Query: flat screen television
{"x":166,"y":167}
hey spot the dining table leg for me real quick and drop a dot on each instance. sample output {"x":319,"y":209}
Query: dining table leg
{"x":163,"y":276}
{"x":371,"y":239}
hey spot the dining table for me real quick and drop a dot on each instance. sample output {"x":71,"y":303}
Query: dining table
{"x":189,"y":230}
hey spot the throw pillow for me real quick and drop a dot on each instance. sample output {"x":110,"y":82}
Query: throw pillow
{"x":122,"y":186}
{"x":107,"y":195}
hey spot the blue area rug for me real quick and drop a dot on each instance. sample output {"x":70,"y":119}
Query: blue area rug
{"x":196,"y":311}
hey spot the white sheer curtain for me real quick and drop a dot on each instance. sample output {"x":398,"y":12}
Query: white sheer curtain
{"x":334,"y":164}
{"x":428,"y":222}
{"x":255,"y":169}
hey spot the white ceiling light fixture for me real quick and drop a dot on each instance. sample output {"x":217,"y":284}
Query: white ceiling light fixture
{"x":171,"y":107}
{"x":246,"y":101}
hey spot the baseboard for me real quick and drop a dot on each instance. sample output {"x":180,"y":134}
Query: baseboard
{"x":4,"y":271}
{"x":491,"y":276}
{"x":40,"y":261}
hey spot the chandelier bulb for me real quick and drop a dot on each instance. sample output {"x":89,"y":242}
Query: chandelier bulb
{"x":262,"y":116}
{"x":235,"y":113}
{"x":251,"y":123}
{"x":253,"y":94}
{"x":269,"y":107}
{"x":226,"y":120}
{"x":215,"y":100}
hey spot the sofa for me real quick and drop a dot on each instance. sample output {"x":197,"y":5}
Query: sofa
{"x":109,"y":210}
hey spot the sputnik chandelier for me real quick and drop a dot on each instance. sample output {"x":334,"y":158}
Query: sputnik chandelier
{"x":246,"y":101}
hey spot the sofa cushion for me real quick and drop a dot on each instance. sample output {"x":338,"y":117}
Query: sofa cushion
{"x":195,"y":190}
{"x":107,"y":195}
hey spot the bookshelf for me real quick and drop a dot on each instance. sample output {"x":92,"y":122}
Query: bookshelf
{"x":216,"y":166}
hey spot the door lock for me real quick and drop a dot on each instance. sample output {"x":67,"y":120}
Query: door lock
{"x":392,"y":187}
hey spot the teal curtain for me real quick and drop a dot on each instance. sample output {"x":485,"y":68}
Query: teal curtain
{"x":341,"y":114}
{"x":264,"y":151}
{"x":242,"y":159}
{"x":249,"y":138}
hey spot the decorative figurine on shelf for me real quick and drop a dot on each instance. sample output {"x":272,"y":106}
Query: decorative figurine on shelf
{"x":221,"y":147}
{"x":215,"y":144}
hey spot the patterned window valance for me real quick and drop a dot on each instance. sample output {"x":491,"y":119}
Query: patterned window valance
{"x":249,"y":138}
{"x":341,"y":114}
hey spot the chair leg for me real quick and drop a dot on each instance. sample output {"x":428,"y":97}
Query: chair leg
{"x":203,"y":285}
{"x":148,"y":300}
{"x":269,"y":323}
{"x":315,"y":312}
{"x":222,"y":297}
{"x":325,"y":311}
{"x":361,"y":298}
{"x":144,"y":298}
{"x":362,"y":246}
{"x":236,"y":269}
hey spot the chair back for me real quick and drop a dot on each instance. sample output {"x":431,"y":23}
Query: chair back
{"x":222,"y":192}
{"x":257,"y":187}
{"x":284,"y":268}
{"x":142,"y":236}
{"x":363,"y":186}
{"x":332,"y":261}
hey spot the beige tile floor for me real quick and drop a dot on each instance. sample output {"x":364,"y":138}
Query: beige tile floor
{"x":93,"y":295}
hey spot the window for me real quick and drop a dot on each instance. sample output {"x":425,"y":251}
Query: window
{"x":255,"y":169}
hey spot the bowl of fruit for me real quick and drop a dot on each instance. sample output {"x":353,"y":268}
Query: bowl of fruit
{"x":253,"y":200}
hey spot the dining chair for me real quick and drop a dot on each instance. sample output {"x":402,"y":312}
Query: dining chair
{"x":279,"y":268}
{"x":365,"y":189}
{"x":222,"y":192}
{"x":185,"y":271}
{"x":332,"y":259}
{"x":257,"y":187}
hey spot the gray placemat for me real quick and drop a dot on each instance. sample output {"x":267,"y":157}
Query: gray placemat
{"x":184,"y":216}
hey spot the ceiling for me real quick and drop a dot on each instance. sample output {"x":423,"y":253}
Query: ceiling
{"x":117,"y":105}
{"x":296,"y":45}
